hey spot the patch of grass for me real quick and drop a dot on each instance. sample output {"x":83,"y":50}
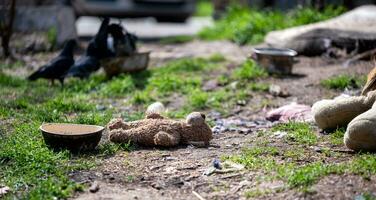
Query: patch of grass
{"x":26,"y":161}
{"x":166,"y":84}
{"x":249,"y":70}
{"x":365,"y":196}
{"x":263,"y":87}
{"x":297,"y":132}
{"x":69,"y":105}
{"x":198,"y":99}
{"x":177,"y":39}
{"x":12,"y":65}
{"x":303,"y":176}
{"x":118,"y":87}
{"x":243,"y":25}
{"x":29,"y":104}
{"x":11,"y":81}
{"x":52,"y":36}
{"x":216,"y":58}
{"x":336,"y":138}
{"x":343,"y":81}
{"x":256,"y":193}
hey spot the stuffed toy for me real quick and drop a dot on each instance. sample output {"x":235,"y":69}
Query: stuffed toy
{"x":357,"y":113}
{"x":156,"y":130}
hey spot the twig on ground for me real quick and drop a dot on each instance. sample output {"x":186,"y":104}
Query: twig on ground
{"x":198,"y":195}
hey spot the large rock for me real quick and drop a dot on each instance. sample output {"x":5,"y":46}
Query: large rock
{"x":43,"y":18}
{"x":354,"y":30}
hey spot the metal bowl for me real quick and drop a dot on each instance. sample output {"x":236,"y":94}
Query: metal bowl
{"x":126,"y":64}
{"x":74,"y":137}
{"x":275,"y":60}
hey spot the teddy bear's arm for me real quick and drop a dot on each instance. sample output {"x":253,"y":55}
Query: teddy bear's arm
{"x":119,"y":136}
{"x":165,"y":139}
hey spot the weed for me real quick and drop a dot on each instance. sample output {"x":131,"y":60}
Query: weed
{"x":336,"y":138}
{"x":198,"y":99}
{"x":263,"y":87}
{"x":118,"y":87}
{"x":244,"y":25}
{"x":343,"y":81}
{"x":216,"y":58}
{"x":297,"y":132}
{"x":249,"y":70}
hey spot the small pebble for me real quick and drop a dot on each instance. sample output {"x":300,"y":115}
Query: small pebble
{"x":94,"y":187}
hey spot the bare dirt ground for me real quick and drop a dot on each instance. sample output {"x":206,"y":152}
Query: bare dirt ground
{"x":178,"y":173}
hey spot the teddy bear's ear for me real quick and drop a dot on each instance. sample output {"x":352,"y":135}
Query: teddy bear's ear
{"x":203,"y":115}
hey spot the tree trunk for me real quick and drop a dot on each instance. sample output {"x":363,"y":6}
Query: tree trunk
{"x":5,"y":45}
{"x":6,"y":28}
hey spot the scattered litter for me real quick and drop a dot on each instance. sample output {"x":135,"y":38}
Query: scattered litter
{"x":94,"y":187}
{"x":239,"y":125}
{"x":227,"y":167}
{"x":217,"y":164}
{"x":291,"y":112}
{"x":277,"y":91}
{"x":279,"y":134}
{"x":4,"y":190}
{"x":169,"y":158}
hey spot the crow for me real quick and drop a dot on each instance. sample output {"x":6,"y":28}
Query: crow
{"x":124,"y":43}
{"x":58,"y":66}
{"x":97,"y":46}
{"x":96,"y":50}
{"x":83,"y":67}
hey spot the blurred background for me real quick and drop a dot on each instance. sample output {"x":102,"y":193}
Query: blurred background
{"x":241,"y":21}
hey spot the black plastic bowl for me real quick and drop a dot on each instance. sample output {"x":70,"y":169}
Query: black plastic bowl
{"x":74,"y":137}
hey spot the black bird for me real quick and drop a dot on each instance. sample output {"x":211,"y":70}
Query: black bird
{"x":97,"y":46}
{"x":96,"y":50}
{"x":124,"y":43}
{"x":58,"y":66}
{"x":83,"y":67}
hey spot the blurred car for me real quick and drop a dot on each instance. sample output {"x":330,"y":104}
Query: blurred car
{"x":162,"y":10}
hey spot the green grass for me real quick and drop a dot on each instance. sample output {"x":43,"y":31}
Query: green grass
{"x":343,"y":81}
{"x":249,"y":70}
{"x":243,"y":25}
{"x":297,"y":132}
{"x":33,"y":171}
{"x":177,"y":39}
{"x":265,"y":159}
{"x":296,"y":165}
{"x":52,"y":36}
{"x":336,"y":138}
